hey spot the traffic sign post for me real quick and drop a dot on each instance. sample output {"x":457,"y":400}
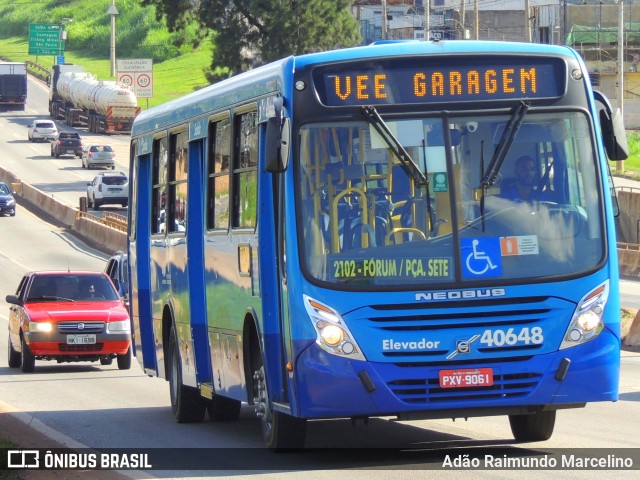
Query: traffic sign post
{"x":138,"y":74}
{"x":46,"y":39}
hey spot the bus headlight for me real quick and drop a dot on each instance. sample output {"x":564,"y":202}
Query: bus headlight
{"x":333,"y":335}
{"x":586,"y":323}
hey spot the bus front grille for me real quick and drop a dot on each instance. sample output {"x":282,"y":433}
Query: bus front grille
{"x":428,"y":390}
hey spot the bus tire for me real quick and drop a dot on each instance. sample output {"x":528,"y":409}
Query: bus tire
{"x":535,"y":427}
{"x":186,"y":403}
{"x":280,"y":432}
{"x":223,"y":409}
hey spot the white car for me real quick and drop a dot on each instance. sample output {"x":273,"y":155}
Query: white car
{"x":108,"y":188}
{"x":41,"y":130}
{"x":98,"y":156}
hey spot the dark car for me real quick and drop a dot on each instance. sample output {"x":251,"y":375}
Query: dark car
{"x":7,"y":201}
{"x":67,"y":143}
{"x":67,"y":316}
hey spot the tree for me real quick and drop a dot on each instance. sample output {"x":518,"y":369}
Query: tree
{"x":249,"y":33}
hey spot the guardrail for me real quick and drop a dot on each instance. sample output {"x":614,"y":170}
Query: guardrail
{"x":38,"y":71}
{"x":111,"y":220}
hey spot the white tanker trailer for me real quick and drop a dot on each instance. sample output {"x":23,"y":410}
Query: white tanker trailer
{"x":80,"y":99}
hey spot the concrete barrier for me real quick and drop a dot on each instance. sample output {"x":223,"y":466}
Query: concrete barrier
{"x":629,"y":218}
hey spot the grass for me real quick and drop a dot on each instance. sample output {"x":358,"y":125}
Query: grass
{"x":631,"y":166}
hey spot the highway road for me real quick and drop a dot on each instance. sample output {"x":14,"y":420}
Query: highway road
{"x":61,"y":177}
{"x":98,"y":406}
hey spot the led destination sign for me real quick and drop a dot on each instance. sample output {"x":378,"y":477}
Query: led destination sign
{"x":398,"y":83}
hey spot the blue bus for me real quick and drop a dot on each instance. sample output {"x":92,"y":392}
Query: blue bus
{"x":411,"y":229}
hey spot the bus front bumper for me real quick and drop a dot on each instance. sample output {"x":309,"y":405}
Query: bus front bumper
{"x":331,"y":387}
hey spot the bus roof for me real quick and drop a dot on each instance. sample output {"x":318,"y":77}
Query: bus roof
{"x":270,"y":78}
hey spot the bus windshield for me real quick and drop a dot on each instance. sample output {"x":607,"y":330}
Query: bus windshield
{"x":366,"y":222}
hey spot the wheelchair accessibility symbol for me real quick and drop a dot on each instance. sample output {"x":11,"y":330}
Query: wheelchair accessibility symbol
{"x":481,"y":257}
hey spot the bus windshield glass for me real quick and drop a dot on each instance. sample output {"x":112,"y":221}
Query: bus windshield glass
{"x":366,"y":222}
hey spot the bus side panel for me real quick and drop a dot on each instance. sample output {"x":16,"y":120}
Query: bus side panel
{"x":234,"y":298}
{"x":195,"y":264}
{"x":140,"y":302}
{"x":179,"y":278}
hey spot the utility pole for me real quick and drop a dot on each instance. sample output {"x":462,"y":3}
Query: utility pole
{"x":427,"y":19}
{"x":384,"y":19}
{"x":527,"y":22}
{"x":462,"y":14}
{"x":477,"y":21}
{"x":620,"y":164}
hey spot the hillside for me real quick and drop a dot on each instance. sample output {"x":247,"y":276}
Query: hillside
{"x":178,"y":67}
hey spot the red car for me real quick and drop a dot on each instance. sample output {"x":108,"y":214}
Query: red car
{"x":68,"y":317}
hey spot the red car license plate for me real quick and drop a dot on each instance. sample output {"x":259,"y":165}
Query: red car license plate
{"x":81,"y":339}
{"x":470,"y":377}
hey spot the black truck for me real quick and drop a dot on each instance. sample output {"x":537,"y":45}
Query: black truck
{"x":13,"y":86}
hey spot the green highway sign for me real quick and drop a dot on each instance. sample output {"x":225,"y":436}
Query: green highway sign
{"x":45,"y":39}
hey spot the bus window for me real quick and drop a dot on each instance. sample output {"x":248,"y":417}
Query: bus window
{"x":218,"y":175}
{"x":159,"y":193}
{"x":178,"y":171}
{"x":245,"y":171}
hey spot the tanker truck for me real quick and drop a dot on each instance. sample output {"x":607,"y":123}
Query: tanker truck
{"x":79,"y":99}
{"x":13,"y":86}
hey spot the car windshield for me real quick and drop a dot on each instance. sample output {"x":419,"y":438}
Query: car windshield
{"x":4,"y":189}
{"x":71,"y":287}
{"x":366,"y":221}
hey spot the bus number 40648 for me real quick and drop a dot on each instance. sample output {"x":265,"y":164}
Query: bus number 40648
{"x":512,"y":336}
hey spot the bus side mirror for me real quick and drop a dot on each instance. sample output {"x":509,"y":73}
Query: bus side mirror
{"x":277,"y":144}
{"x":614,"y":135}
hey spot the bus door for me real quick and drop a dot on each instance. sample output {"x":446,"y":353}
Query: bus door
{"x":139,"y":254}
{"x":195,"y":231}
{"x":178,"y":242}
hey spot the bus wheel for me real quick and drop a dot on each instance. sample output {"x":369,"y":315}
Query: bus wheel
{"x":535,"y":427}
{"x":186,"y":403}
{"x":222,"y":409}
{"x":279,"y":430}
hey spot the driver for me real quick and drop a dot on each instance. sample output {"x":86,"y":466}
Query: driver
{"x":523,"y":188}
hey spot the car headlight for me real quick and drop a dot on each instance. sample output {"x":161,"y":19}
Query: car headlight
{"x":11,"y":203}
{"x":586,"y":323}
{"x":40,"y":326}
{"x":333,"y":335}
{"x":121,"y":326}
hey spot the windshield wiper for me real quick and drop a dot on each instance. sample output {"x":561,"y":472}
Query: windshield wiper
{"x":409,"y":165}
{"x":49,"y":298}
{"x":500,"y":153}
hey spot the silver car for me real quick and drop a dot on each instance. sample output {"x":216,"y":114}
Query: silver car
{"x":41,"y":130}
{"x":98,"y":156}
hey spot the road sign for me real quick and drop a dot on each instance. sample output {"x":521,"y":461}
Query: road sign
{"x":137,"y":73}
{"x":45,"y":39}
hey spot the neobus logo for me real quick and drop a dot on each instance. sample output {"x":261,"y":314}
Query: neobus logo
{"x":461,"y":294}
